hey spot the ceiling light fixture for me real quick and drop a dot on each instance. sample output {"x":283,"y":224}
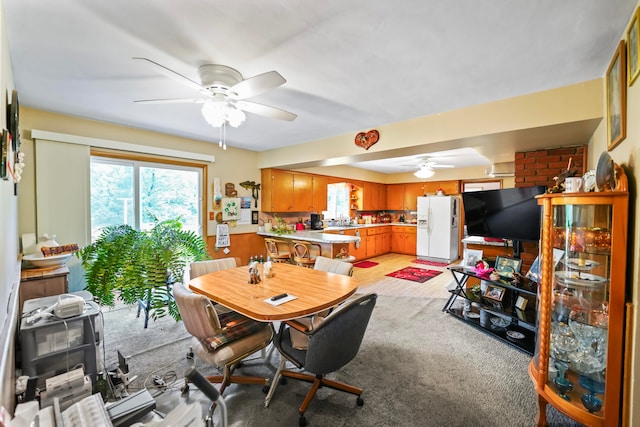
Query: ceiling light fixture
{"x":424,"y":172}
{"x":220,"y":114}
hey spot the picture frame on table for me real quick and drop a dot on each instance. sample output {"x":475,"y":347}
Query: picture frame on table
{"x":507,"y":267}
{"x":471,"y":256}
{"x":617,"y":98}
{"x":633,"y":48}
{"x":495,"y":293}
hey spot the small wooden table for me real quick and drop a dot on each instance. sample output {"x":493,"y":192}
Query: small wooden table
{"x":315,"y":291}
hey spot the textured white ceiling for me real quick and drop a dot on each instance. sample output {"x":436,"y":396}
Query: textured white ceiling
{"x":349,"y":65}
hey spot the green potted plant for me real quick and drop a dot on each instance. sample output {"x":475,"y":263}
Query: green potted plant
{"x":139,"y":265}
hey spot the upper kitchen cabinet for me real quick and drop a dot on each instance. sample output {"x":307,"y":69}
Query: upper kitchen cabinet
{"x":286,"y":191}
{"x":395,"y":197}
{"x":375,"y":196}
{"x":280,"y":184}
{"x":320,"y":193}
{"x":449,"y":188}
{"x":302,"y":193}
{"x":412,"y":191}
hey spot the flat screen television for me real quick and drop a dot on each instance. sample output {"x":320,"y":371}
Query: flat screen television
{"x":508,"y":213}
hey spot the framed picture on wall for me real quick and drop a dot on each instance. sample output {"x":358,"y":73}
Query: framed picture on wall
{"x":617,"y":98}
{"x":633,"y":48}
{"x":254,"y":217}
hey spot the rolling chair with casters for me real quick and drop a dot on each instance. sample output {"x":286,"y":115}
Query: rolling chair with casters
{"x":222,"y":340}
{"x":332,"y":344}
{"x":199,"y":268}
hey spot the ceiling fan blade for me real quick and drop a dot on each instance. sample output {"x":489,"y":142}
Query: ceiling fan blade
{"x":172,"y":101}
{"x":266,"y":111}
{"x":441,"y":166}
{"x":176,"y":76}
{"x":257,"y":85}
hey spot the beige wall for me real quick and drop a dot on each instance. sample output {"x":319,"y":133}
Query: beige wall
{"x":627,"y":153}
{"x":488,"y":128}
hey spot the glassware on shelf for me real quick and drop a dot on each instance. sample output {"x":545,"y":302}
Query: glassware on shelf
{"x":594,"y":385}
{"x":591,"y":402}
{"x":564,"y":386}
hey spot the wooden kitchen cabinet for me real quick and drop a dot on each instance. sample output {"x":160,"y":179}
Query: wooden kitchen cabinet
{"x":448,"y":187}
{"x":375,"y":196}
{"x":285,"y":191}
{"x":277,"y":190}
{"x":320,"y":193}
{"x":42,"y":282}
{"x":403,"y":239}
{"x":395,"y":197}
{"x":302,"y":193}
{"x":412,"y":191}
{"x":360,"y":252}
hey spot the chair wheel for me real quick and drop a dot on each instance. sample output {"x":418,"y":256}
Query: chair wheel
{"x":184,"y":389}
{"x":359,"y":401}
{"x":302,"y":421}
{"x":265,"y":389}
{"x":283,"y":380}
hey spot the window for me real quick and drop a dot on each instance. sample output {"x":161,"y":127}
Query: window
{"x":338,"y":201}
{"x":139,"y":193}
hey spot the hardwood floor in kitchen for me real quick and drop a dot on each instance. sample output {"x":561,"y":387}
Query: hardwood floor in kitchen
{"x":374,"y":279}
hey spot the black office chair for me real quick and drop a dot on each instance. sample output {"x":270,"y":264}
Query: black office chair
{"x":332,"y":344}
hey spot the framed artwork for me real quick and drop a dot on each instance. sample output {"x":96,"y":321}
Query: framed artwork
{"x":507,"y":267}
{"x":254,"y":217}
{"x":5,"y":155}
{"x":494,"y":292}
{"x":617,"y":98}
{"x":471,"y":257}
{"x":633,"y":48}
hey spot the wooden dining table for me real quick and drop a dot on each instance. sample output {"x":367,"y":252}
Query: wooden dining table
{"x":314,"y":290}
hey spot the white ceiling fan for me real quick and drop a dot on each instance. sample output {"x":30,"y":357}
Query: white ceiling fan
{"x":223,"y":93}
{"x":426,"y":168}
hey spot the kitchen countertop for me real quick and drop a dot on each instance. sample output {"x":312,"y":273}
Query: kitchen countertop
{"x":349,"y":227}
{"x":313,"y":236}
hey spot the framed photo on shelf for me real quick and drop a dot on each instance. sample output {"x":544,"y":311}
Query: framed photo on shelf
{"x":494,"y":292}
{"x":471,"y":257}
{"x":521,"y":303}
{"x":507,"y":267}
{"x":633,"y":48}
{"x":617,"y":98}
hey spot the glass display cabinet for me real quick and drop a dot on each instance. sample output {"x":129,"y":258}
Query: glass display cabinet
{"x":578,"y":362}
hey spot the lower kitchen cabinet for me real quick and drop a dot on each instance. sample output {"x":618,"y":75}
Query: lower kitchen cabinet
{"x":403,"y":239}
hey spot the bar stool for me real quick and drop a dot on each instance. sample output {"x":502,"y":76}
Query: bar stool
{"x":303,"y":255}
{"x":277,"y":250}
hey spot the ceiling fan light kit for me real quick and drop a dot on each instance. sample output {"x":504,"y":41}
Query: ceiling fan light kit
{"x":424,"y":172}
{"x":219,"y":113}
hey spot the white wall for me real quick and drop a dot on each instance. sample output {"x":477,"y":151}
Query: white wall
{"x":9,"y":264}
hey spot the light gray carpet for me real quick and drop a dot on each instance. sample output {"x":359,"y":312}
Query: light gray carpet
{"x":417,"y":366}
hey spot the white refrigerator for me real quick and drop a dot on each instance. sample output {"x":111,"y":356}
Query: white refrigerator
{"x":437,"y":228}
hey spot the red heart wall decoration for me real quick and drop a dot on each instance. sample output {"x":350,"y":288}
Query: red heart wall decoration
{"x":366,"y":140}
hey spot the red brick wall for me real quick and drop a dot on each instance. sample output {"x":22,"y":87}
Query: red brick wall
{"x":539,"y":167}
